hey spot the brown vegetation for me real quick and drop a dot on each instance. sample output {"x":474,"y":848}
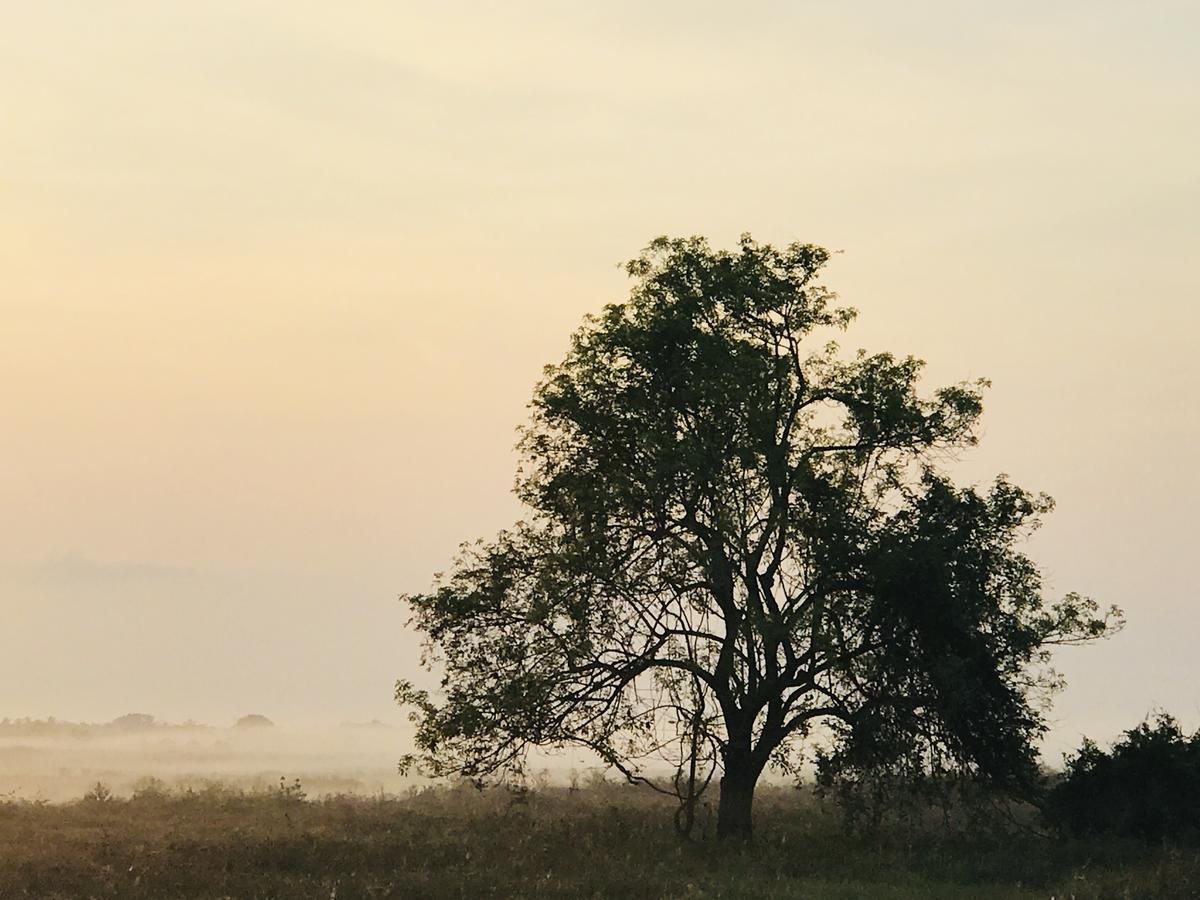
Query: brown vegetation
{"x":600,"y":841}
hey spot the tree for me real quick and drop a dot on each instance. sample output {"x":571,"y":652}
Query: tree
{"x":735,"y":534}
{"x":254,"y":720}
{"x":1146,"y":786}
{"x":133,"y":722}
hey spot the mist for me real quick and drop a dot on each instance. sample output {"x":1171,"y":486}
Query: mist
{"x":56,"y":760}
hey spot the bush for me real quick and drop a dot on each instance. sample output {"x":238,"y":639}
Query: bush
{"x":150,"y":788}
{"x":99,"y":793}
{"x":290,"y":793}
{"x":1147,"y":786}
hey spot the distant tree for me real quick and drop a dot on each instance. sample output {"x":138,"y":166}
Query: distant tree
{"x":134,"y":722}
{"x":1146,"y":786}
{"x":254,"y":720}
{"x":735,"y":534}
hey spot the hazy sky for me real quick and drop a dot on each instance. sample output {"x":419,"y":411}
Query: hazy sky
{"x":276,"y":280}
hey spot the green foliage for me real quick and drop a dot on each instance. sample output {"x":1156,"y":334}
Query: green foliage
{"x":735,"y":533}
{"x":1147,"y":786}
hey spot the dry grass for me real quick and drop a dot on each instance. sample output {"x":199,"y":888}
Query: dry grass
{"x":604,"y":841}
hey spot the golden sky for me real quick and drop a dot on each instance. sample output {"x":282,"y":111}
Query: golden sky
{"x":276,"y":280}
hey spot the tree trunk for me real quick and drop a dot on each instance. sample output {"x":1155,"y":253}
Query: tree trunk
{"x":734,"y":811}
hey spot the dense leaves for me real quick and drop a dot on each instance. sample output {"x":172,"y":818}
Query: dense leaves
{"x":737,"y":533}
{"x":1147,"y":786}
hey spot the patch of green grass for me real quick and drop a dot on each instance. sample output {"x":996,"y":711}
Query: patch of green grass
{"x":608,"y":841}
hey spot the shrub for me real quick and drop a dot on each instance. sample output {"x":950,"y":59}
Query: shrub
{"x":1147,"y":786}
{"x":150,"y":788}
{"x":99,"y":793}
{"x":291,"y":793}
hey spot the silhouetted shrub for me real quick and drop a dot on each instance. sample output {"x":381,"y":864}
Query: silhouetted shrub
{"x":290,"y":793}
{"x":99,"y":793}
{"x":1147,"y":786}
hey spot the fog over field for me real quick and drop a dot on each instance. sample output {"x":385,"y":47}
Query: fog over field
{"x":60,"y":761}
{"x":56,"y":760}
{"x":278,"y":281}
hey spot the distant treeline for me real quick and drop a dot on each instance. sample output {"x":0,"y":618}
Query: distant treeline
{"x":127,"y":724}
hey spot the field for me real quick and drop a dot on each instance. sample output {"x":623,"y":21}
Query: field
{"x":600,"y":841}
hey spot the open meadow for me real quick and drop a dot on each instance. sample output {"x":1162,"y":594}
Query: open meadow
{"x":602,"y":840}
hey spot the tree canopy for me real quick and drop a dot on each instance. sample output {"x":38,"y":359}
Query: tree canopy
{"x":735,"y":533}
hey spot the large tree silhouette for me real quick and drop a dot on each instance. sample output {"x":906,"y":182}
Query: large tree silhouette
{"x":734,"y":533}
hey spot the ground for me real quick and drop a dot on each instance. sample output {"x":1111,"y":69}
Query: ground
{"x":601,"y":841}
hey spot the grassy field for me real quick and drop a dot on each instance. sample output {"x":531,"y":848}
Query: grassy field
{"x":602,"y":841}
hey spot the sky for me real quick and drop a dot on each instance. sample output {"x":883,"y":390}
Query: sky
{"x":277,"y":279}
